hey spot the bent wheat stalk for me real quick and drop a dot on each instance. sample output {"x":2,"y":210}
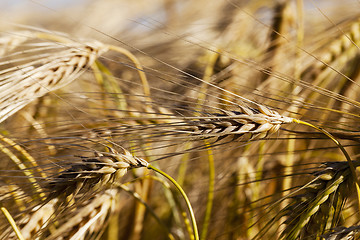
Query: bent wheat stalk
{"x":183,"y":194}
{"x":12,"y":223}
{"x":345,"y":153}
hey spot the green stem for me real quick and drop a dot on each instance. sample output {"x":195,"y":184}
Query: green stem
{"x":182,"y":192}
{"x":12,"y":223}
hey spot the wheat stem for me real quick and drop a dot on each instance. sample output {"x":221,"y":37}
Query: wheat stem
{"x":138,"y":66}
{"x":53,"y":37}
{"x":12,"y":223}
{"x":22,"y":167}
{"x":106,"y":79}
{"x":151,"y":211}
{"x":182,"y":192}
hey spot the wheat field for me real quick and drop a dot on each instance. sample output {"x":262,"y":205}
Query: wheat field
{"x":179,"y":119}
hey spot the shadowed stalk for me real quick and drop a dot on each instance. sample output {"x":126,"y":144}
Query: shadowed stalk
{"x":143,"y":188}
{"x":259,"y":169}
{"x":22,"y":151}
{"x":179,"y":188}
{"x":209,"y":71}
{"x":183,"y":165}
{"x":148,"y":208}
{"x":105,"y":79}
{"x":22,"y":167}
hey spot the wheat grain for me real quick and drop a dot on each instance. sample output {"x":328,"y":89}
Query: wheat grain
{"x":67,"y":189}
{"x":259,"y":122}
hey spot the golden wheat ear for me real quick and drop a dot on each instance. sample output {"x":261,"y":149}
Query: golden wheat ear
{"x":33,"y":68}
{"x":258,"y":122}
{"x":93,"y":173}
{"x":86,"y":182}
{"x":36,"y":63}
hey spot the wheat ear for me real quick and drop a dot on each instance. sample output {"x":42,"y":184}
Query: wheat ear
{"x":56,"y":61}
{"x":340,"y":50}
{"x":309,"y":212}
{"x":33,"y":78}
{"x":92,"y":173}
{"x":89,"y":175}
{"x":259,"y":122}
{"x":342,"y":233}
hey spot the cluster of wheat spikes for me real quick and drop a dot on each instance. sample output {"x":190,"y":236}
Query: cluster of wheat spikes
{"x":250,"y":108}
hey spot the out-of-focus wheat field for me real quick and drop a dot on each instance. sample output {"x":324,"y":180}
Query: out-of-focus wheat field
{"x":250,"y":109}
